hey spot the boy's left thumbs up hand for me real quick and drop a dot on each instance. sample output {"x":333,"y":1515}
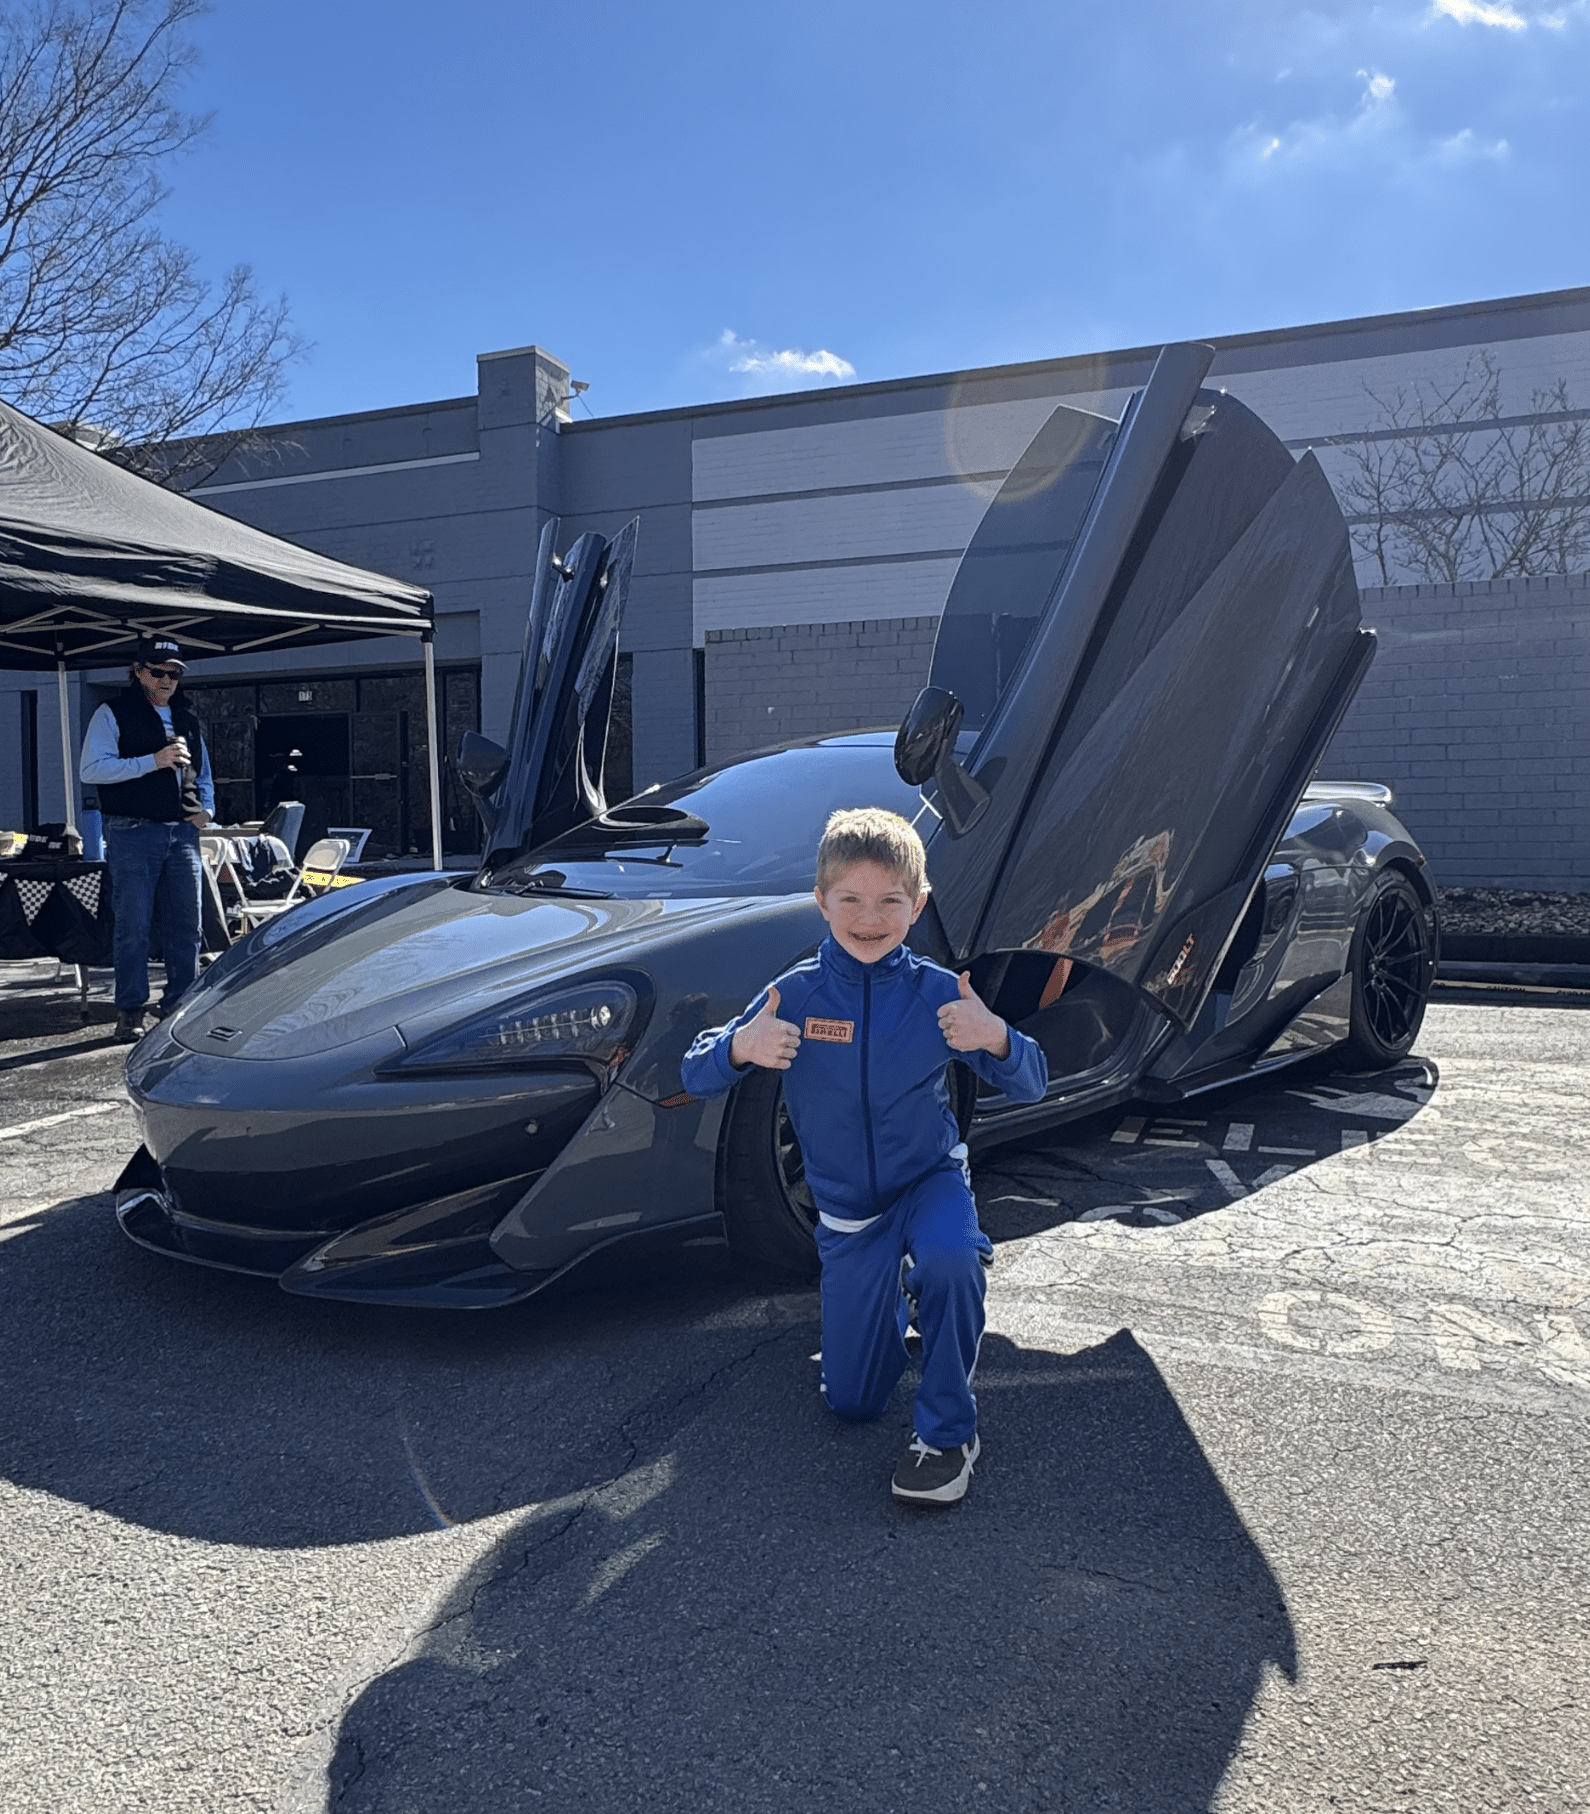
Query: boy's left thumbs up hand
{"x":969,"y":1026}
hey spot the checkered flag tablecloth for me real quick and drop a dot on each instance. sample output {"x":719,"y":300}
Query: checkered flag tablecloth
{"x":58,"y":909}
{"x":32,"y":895}
{"x":86,"y":888}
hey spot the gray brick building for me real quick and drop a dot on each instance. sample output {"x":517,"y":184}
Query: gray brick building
{"x":796,"y":551}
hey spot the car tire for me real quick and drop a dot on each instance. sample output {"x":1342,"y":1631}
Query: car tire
{"x":767,"y":1204}
{"x":1392,"y":964}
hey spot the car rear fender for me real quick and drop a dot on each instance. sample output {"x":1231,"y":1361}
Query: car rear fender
{"x":1400,"y":854}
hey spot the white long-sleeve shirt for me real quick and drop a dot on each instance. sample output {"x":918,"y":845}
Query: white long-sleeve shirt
{"x":101,"y":762}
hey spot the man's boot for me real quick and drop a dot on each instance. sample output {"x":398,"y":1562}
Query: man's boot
{"x":129,"y":1025}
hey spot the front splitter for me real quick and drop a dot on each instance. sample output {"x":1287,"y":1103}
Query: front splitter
{"x":457,"y":1274}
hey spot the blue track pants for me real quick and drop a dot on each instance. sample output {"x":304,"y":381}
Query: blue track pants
{"x":928,"y":1248}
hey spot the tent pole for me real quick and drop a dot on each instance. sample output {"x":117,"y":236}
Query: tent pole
{"x":433,"y":753}
{"x":68,"y":774}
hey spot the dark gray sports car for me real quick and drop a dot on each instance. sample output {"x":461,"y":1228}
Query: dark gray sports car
{"x":446,"y":1090}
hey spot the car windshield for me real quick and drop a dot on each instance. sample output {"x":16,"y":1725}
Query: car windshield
{"x":764,"y":819}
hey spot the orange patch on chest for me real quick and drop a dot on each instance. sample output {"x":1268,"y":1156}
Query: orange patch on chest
{"x":836,"y":1032}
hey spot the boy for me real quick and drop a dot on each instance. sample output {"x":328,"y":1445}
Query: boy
{"x":865,"y":1031}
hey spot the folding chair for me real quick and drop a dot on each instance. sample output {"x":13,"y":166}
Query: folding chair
{"x":322,"y":861}
{"x":285,"y":820}
{"x":357,"y":835}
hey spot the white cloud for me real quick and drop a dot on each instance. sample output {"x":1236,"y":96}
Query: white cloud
{"x":1480,"y":12}
{"x":764,"y":369}
{"x":783,"y":366}
{"x":1466,"y":144}
{"x":1381,"y":88}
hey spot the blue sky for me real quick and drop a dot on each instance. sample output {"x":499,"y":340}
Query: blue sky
{"x":705,"y":199}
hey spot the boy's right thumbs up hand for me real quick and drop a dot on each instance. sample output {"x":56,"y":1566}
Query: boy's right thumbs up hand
{"x":765,"y":1040}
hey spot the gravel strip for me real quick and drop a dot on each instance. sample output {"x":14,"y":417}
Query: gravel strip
{"x":1499,"y":911}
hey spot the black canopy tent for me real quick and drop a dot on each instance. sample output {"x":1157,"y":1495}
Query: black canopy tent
{"x":92,"y":557}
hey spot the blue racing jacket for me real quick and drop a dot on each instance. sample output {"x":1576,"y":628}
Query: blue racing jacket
{"x":867,"y":1090}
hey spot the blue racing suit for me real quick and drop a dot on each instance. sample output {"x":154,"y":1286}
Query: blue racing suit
{"x":868,"y":1096}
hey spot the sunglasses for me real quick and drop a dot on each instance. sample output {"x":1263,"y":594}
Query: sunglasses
{"x":163,"y":673}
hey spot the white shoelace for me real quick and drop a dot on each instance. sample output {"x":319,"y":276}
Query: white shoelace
{"x":921,"y":1450}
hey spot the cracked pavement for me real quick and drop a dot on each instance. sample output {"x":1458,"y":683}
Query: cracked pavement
{"x":1281,"y":1505}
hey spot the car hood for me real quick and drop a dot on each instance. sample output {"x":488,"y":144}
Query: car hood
{"x":414,"y":966}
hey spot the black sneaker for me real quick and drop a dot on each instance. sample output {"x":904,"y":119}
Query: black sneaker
{"x":129,"y":1025}
{"x":930,"y":1476}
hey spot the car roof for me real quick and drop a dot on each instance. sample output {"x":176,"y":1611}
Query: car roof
{"x":881,"y":739}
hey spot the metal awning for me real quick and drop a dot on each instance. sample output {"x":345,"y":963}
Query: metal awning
{"x":90,"y":636}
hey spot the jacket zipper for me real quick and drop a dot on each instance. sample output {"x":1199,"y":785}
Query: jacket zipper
{"x":866,"y":1102}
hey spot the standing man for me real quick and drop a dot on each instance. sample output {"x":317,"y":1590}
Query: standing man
{"x":145,"y":753}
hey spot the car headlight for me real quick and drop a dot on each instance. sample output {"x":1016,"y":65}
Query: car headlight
{"x":589,"y":1021}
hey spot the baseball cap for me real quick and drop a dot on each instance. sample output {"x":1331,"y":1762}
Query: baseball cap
{"x":160,"y":652}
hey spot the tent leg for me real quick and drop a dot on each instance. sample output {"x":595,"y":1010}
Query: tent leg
{"x":433,"y":753}
{"x":69,"y":779}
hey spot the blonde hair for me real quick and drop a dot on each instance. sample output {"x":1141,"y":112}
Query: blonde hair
{"x":869,"y":834}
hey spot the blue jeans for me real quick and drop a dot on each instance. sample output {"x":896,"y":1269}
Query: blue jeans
{"x":155,"y":883}
{"x":926,"y":1246}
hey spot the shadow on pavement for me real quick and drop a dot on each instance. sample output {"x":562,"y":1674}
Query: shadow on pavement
{"x":50,"y":1009}
{"x":215,"y":1407}
{"x":704,"y":1596}
{"x":707,"y":1598}
{"x":745,"y":1619}
{"x":1151,"y":1166}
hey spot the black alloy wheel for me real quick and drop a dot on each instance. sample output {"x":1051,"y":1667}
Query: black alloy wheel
{"x":791,"y":1164}
{"x":1393,"y":967}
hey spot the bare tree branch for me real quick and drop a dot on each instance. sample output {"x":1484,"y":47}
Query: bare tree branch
{"x":1457,"y":492}
{"x":106,"y":328}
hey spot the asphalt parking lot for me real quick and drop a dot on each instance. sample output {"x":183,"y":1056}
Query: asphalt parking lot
{"x":1282,"y":1505}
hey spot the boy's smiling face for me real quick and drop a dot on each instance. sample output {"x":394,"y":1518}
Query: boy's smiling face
{"x":869,"y":910}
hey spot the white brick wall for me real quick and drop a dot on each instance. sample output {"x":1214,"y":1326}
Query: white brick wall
{"x":862,"y":526}
{"x":822,"y":595}
{"x":1477,"y":711}
{"x":926,"y":444}
{"x":803,"y":680}
{"x":1332,"y":399}
{"x":1299,"y":402}
{"x":853,"y":526}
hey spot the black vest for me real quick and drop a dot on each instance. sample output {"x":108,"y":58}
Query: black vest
{"x":167,"y":794}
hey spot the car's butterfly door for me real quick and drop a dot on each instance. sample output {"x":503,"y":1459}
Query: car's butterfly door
{"x":1142,"y":735}
{"x":550,"y":777}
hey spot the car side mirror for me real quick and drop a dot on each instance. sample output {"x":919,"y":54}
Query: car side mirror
{"x":924,"y":750}
{"x":926,"y":732}
{"x":481,"y":763}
